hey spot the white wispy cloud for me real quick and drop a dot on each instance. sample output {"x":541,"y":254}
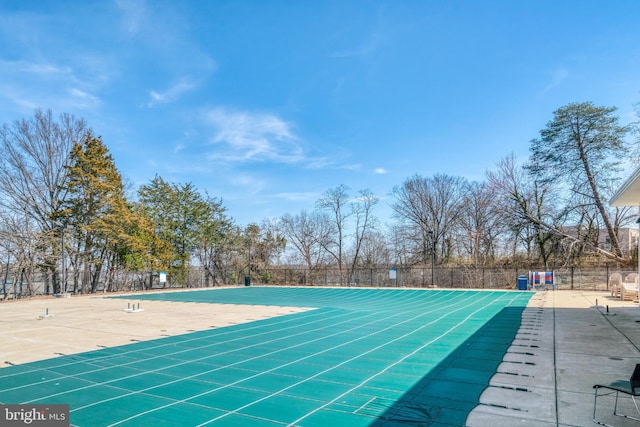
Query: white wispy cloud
{"x":44,"y":68}
{"x":17,"y":99}
{"x":558,"y":76}
{"x":84,"y":99}
{"x":32,"y":84}
{"x":373,"y":40}
{"x":351,"y":166}
{"x":304,"y":196}
{"x":335,"y":164}
{"x":369,"y":47}
{"x":249,"y":136}
{"x":319,"y":163}
{"x":132,"y":14}
{"x":380,"y":171}
{"x":171,"y":94}
{"x":249,"y":183}
{"x":41,"y":68}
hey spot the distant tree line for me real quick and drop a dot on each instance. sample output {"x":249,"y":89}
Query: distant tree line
{"x":66,"y":212}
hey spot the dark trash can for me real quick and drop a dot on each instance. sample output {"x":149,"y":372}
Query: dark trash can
{"x":522,"y":283}
{"x":247,"y":280}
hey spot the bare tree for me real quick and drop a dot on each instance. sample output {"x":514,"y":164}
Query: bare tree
{"x":535,"y":213}
{"x":362,"y":211}
{"x":481,"y":224}
{"x":335,"y":203}
{"x":401,"y":244}
{"x":33,"y":156}
{"x":430,"y":205}
{"x":525,"y":206}
{"x":375,"y":250}
{"x":305,"y":232}
{"x":19,"y":255}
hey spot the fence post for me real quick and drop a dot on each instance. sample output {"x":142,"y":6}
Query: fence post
{"x":572,"y":278}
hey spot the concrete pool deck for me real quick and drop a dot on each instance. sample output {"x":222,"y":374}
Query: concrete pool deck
{"x":86,"y":323}
{"x":567,"y":342}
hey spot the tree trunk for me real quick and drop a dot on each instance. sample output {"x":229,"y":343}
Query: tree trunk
{"x":613,"y":235}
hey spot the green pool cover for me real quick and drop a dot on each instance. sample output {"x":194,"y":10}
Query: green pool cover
{"x":362,"y":357}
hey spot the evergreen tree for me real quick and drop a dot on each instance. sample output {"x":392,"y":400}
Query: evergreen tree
{"x":215,"y":239}
{"x":180,"y":215}
{"x":582,"y":147}
{"x":107,"y":231}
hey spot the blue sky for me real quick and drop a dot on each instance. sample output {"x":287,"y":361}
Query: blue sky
{"x":267,"y":104}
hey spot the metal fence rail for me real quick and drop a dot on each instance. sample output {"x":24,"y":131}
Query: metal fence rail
{"x":442,"y":277}
{"x":578,"y":278}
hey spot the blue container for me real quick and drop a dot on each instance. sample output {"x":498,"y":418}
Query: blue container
{"x":522,"y":283}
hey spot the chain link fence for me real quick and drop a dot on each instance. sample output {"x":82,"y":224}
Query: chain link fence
{"x":570,"y":278}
